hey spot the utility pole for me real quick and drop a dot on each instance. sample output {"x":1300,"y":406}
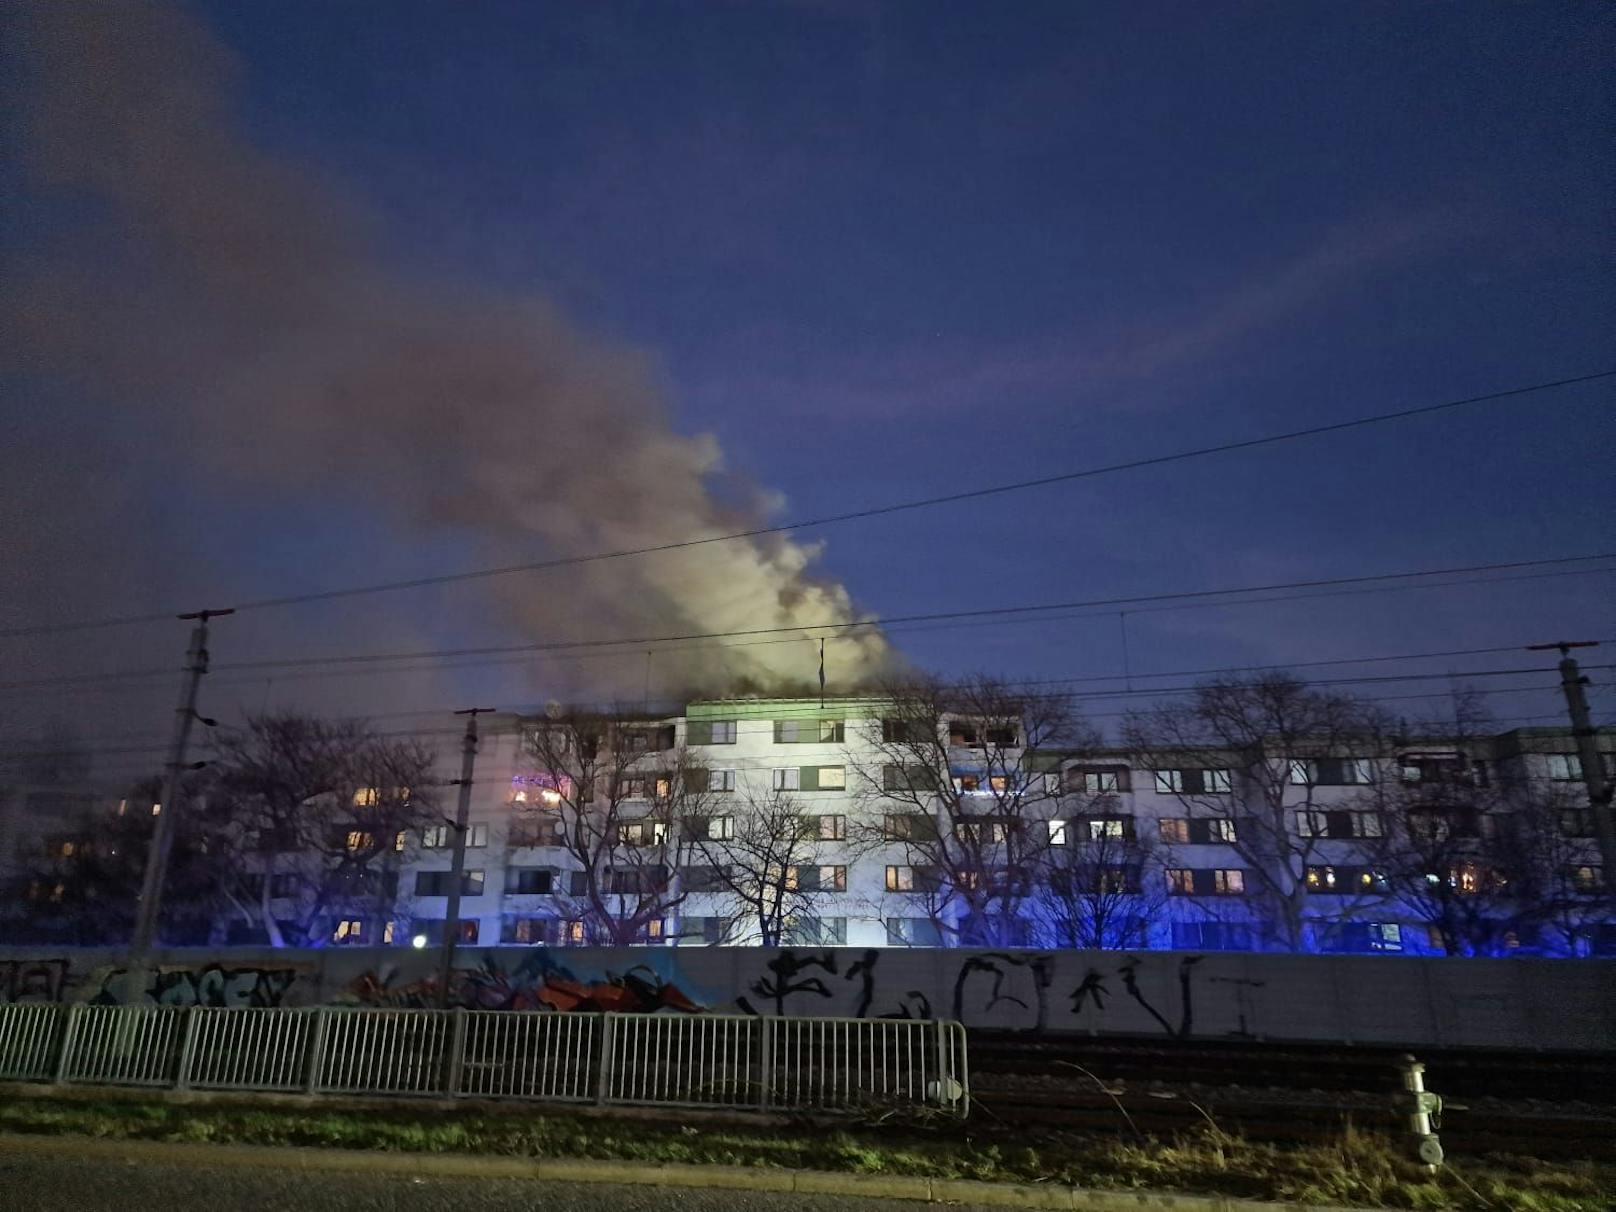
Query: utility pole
{"x":1593,"y":769}
{"x":451,"y":918}
{"x":151,"y":885}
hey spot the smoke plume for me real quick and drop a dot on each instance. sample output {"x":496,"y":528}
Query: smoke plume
{"x":241,"y":303}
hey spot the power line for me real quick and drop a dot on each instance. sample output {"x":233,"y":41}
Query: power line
{"x":801,"y":633}
{"x":744,"y":710}
{"x":818,"y":629}
{"x":827,"y":519}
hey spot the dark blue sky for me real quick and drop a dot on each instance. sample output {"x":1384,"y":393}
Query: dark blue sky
{"x":899,"y":250}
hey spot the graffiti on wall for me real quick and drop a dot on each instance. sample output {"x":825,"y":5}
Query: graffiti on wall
{"x":790,"y":976}
{"x":212,"y":985}
{"x":1005,"y":988}
{"x":1093,"y":991}
{"x":538,"y":981}
{"x":33,"y":980}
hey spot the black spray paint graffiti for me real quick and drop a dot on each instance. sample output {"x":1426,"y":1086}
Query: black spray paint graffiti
{"x":1009,"y":975}
{"x":32,"y":980}
{"x":213,"y":985}
{"x":792,"y":973}
{"x":1093,"y":990}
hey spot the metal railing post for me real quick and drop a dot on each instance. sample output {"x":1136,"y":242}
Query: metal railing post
{"x":603,"y":1086}
{"x":182,"y":1076}
{"x":457,"y":1051}
{"x":69,"y":1035}
{"x":311,"y":1079}
{"x":765,"y":1061}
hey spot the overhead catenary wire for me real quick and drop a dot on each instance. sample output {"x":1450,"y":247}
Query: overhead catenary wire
{"x":810,"y":631}
{"x":744,"y":711}
{"x":827,"y":519}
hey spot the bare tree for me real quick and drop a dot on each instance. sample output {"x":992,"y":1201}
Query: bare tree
{"x":1252,"y":755}
{"x":1101,"y":882}
{"x":331,"y":808}
{"x":80,"y":884}
{"x":1486,"y":863}
{"x":613,"y":791}
{"x":758,"y":863}
{"x":952,"y":780}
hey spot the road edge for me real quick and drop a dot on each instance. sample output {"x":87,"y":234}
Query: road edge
{"x":670,"y":1174}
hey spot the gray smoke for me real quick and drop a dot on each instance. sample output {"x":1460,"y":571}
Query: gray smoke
{"x":239,"y":303}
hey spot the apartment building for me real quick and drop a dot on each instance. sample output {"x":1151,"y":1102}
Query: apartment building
{"x":1201,"y":853}
{"x":970,"y":832}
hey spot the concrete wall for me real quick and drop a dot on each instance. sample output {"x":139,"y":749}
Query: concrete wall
{"x":1418,"y":1002}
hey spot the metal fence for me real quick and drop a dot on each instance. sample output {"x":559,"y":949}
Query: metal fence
{"x":705,"y":1060}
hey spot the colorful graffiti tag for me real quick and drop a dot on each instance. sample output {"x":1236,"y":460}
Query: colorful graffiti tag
{"x":539,"y":981}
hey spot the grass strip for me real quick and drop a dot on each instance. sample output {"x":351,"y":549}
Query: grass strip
{"x":1357,"y":1169}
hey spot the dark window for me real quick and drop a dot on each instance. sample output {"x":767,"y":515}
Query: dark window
{"x":817,"y":932}
{"x":438,"y":883}
{"x":1211,"y":936}
{"x":902,"y":732}
{"x":913,"y":932}
{"x":1361,"y":937}
{"x":703,"y":879}
{"x":433,"y":928}
{"x":531,"y":880}
{"x":908,"y":827}
{"x":909,"y":778}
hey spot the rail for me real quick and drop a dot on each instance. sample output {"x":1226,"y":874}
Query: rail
{"x":742,"y":1062}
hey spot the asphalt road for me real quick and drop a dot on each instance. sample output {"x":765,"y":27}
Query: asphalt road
{"x":59,"y":1182}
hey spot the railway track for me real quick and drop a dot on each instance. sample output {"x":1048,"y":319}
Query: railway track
{"x":1534,"y":1104}
{"x":1584,"y":1078}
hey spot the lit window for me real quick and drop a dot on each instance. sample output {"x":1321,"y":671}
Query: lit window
{"x":1180,"y":881}
{"x":477,"y":835}
{"x":387,"y":934}
{"x":399,"y":840}
{"x":1057,"y":833}
{"x":575,"y":932}
{"x":969,"y":784}
{"x":437,"y":837}
{"x":999,"y":783}
{"x":550,"y":796}
{"x":1174,"y":829}
{"x":365,"y":797}
{"x":1564,"y":766}
{"x":348,"y":930}
{"x":1106,"y":827}
{"x":123,"y":806}
{"x":156,"y":809}
{"x":1229,"y":881}
{"x":900,"y":879}
{"x":519,"y":797}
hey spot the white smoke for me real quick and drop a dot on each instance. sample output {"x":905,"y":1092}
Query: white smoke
{"x":238,"y":298}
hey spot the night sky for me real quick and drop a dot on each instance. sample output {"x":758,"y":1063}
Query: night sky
{"x":876,"y":252}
